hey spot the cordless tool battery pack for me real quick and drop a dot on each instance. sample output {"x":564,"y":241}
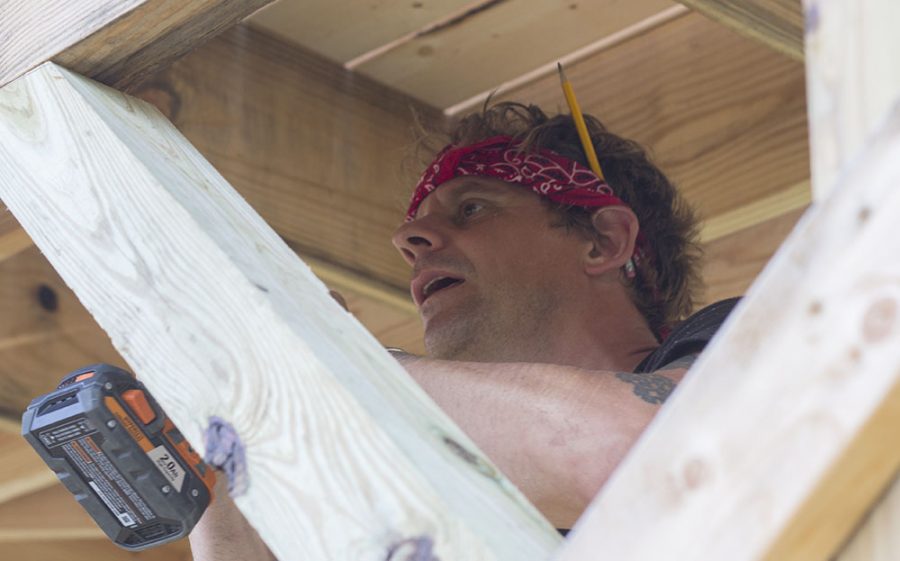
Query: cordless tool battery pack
{"x":113,"y":447}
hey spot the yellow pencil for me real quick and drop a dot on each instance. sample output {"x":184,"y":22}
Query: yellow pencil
{"x":580,"y":125}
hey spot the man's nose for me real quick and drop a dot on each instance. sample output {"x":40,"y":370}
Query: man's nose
{"x":416,"y":238}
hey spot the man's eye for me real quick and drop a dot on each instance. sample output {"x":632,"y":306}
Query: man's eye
{"x":469,"y":209}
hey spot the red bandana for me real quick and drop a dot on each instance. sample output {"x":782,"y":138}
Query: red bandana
{"x":546,"y":173}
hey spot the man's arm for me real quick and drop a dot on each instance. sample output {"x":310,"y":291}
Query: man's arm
{"x":223,"y":534}
{"x":557,"y":432}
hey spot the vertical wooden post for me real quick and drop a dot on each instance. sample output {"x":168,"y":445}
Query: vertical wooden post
{"x":852,"y":80}
{"x":853,"y":83}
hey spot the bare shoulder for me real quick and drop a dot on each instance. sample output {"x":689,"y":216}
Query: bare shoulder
{"x":656,"y":387}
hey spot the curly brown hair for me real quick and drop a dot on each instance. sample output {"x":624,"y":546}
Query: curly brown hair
{"x":665,"y":287}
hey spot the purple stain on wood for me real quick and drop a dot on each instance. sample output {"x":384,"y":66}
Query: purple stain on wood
{"x":412,"y":549}
{"x":225,"y":452}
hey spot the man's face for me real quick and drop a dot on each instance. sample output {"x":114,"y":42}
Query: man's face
{"x":490,"y":272}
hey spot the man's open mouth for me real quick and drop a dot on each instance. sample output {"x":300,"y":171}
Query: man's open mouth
{"x":438,"y":284}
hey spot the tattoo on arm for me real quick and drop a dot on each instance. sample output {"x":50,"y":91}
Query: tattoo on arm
{"x":655,"y":388}
{"x":651,"y":387}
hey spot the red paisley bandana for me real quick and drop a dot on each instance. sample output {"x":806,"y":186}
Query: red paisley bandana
{"x":546,"y":173}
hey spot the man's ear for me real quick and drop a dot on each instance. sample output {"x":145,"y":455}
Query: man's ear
{"x":615,"y":234}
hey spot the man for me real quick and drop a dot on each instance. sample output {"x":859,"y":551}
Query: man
{"x":545,"y":293}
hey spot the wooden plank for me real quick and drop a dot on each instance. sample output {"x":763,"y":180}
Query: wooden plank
{"x":316,"y":151}
{"x":877,"y":538}
{"x":757,"y":212}
{"x":89,"y":550}
{"x":342,"y":30}
{"x":22,"y":471}
{"x":13,"y":238}
{"x":187,"y":278}
{"x":777,"y":23}
{"x":49,"y":514}
{"x":728,"y":134}
{"x":731,"y":263}
{"x":454,"y":62}
{"x":45,"y":331}
{"x":118,"y":42}
{"x":852,"y":79}
{"x":774,"y":445}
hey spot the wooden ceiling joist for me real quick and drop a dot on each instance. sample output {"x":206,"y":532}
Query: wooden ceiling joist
{"x":849,"y":38}
{"x":117,"y":42}
{"x":777,"y":23}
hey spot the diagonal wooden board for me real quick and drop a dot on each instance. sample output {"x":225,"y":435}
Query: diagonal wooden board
{"x":346,"y":456}
{"x":783,"y":434}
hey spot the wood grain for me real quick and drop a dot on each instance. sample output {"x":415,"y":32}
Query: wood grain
{"x":731,"y":263}
{"x":510,"y":38}
{"x":13,"y":238}
{"x":728,"y":134}
{"x":316,"y":150}
{"x":22,"y":471}
{"x":777,"y":23}
{"x":342,"y":30}
{"x":852,"y":77}
{"x":89,"y":550}
{"x":118,"y":42}
{"x":51,"y":513}
{"x":45,"y":331}
{"x":774,"y":446}
{"x":219,"y":318}
{"x":878,"y":538}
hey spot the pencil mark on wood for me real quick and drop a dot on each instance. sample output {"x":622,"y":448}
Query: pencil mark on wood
{"x":412,"y":549}
{"x":225,"y":451}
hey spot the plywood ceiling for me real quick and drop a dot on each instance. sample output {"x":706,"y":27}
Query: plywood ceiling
{"x":445,"y":52}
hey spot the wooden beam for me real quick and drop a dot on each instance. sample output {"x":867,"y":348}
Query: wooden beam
{"x":843,"y":112}
{"x":878,"y":538}
{"x":341,"y":30}
{"x":51,"y":513}
{"x":45,"y":331}
{"x":852,"y":80}
{"x":774,"y":445}
{"x":222,"y":321}
{"x":22,"y":471}
{"x":90,"y":550}
{"x":118,"y":42}
{"x":317,"y":151}
{"x":732,"y":262}
{"x":777,"y":23}
{"x":450,"y":63}
{"x":13,"y":238}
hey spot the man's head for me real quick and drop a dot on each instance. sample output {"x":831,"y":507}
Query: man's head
{"x":533,"y":261}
